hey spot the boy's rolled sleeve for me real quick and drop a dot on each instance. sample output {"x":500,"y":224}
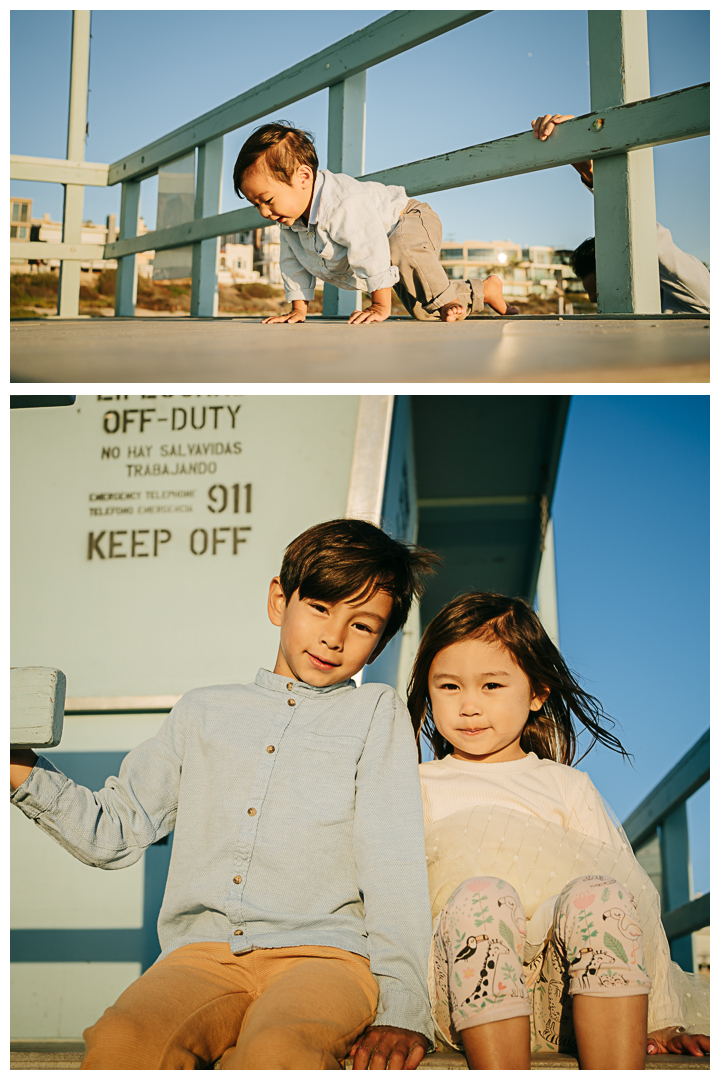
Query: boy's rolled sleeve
{"x":389,"y":849}
{"x":357,"y":225}
{"x":298,"y":282}
{"x":112,"y":827}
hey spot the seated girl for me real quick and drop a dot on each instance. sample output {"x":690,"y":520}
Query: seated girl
{"x":547,"y":930}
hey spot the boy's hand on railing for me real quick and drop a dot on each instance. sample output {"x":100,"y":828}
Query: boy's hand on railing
{"x":298,"y":314}
{"x":545,"y":125}
{"x":385,"y":1047}
{"x":22,"y":763}
{"x":378,"y":310}
{"x":672,"y":1041}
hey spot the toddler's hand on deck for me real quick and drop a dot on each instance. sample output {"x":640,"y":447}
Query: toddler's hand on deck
{"x":385,"y":1047}
{"x":671,"y":1041}
{"x":292,"y":316}
{"x":374,"y":313}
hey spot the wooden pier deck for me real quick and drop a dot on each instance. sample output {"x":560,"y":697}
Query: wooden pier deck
{"x":523,"y":349}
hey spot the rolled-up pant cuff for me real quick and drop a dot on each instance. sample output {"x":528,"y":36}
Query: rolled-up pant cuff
{"x":512,"y":1009}
{"x":470,"y":293}
{"x":448,"y":297}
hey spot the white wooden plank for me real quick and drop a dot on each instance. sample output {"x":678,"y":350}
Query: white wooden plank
{"x":58,"y":171}
{"x":37,"y":702}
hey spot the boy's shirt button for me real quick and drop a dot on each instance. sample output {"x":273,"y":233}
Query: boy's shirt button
{"x":270,"y":749}
{"x":252,"y":811}
{"x":238,"y":933}
{"x":237,"y":879}
{"x":291,"y":701}
{"x":289,"y":686}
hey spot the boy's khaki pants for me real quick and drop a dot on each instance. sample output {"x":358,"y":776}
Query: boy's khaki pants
{"x":424,"y":286}
{"x":291,"y":1008}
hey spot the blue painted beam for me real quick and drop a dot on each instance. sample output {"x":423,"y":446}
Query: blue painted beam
{"x":387,"y":37}
{"x":686,"y":919}
{"x":683,"y":114}
{"x":683,"y":780}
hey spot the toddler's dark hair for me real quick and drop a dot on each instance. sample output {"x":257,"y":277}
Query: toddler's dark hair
{"x":284,"y":148}
{"x":348,"y":558}
{"x":512,"y":623}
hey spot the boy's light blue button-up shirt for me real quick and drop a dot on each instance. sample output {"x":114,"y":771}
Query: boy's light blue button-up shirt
{"x":298,"y":821}
{"x":346,"y":239}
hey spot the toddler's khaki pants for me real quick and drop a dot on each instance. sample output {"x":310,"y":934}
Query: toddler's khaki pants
{"x":424,"y":286}
{"x":291,"y":1008}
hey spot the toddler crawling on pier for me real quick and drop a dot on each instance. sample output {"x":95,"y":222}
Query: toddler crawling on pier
{"x":352,"y":234}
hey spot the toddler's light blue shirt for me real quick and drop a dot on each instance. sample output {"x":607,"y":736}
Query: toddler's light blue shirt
{"x":346,"y":239}
{"x":298,"y":821}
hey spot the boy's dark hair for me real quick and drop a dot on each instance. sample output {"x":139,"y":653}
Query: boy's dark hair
{"x":348,"y":558}
{"x":512,"y":623}
{"x":582,"y":259}
{"x":284,"y":148}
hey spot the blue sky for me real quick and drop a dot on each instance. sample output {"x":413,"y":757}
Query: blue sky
{"x":152,"y":71}
{"x":631,"y":518}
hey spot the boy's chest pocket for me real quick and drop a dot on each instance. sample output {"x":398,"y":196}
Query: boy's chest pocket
{"x":330,"y":253}
{"x":324,"y":247}
{"x":327,"y":766}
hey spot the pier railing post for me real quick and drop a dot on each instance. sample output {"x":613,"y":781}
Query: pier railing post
{"x":69,"y":279}
{"x":346,"y":154}
{"x":126,"y":277}
{"x":547,"y":602}
{"x":677,"y":878}
{"x":208,"y":194}
{"x":624,"y":186}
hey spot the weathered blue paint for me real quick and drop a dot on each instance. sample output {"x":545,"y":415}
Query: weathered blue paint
{"x":126,"y":278}
{"x":346,"y":154}
{"x":624,"y":185}
{"x":208,"y":193}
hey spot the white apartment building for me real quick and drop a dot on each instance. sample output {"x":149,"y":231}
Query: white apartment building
{"x":23,"y":226}
{"x":539,"y":269}
{"x":236,"y":262}
{"x":260,"y":255}
{"x":250,"y":256}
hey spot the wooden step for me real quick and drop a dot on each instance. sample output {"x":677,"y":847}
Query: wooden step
{"x":453,"y":1060}
{"x":68,"y":1053}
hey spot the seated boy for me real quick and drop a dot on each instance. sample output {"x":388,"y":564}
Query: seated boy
{"x":297,"y":892}
{"x":352,"y":234}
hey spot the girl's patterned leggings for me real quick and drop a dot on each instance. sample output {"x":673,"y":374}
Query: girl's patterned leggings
{"x":594,"y":947}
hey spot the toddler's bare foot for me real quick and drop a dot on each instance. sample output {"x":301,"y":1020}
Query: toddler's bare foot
{"x":452,"y":312}
{"x":493,"y":296}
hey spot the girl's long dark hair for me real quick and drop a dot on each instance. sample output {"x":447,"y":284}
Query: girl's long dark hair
{"x":511,"y":622}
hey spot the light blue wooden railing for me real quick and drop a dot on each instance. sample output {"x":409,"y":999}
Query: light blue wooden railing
{"x":658,"y":832}
{"x":625,"y":123}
